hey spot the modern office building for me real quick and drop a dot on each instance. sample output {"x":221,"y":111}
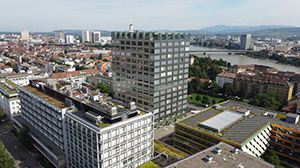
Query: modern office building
{"x":86,"y":36}
{"x":248,"y":128}
{"x":92,"y":131}
{"x":44,"y":115}
{"x":127,"y":143}
{"x":9,"y":98}
{"x":151,"y":69}
{"x":96,"y":37}
{"x":25,"y":35}
{"x":245,"y":41}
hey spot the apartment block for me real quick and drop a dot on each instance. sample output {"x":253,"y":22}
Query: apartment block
{"x":253,"y":83}
{"x":151,"y":69}
{"x":225,"y":77}
{"x":248,"y":128}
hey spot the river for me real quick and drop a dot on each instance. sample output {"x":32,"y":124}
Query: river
{"x":244,"y":60}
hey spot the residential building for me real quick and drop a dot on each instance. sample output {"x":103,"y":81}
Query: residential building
{"x":59,"y":36}
{"x":241,"y":68}
{"x":86,"y":36}
{"x":9,"y":98}
{"x":255,"y":133}
{"x":24,"y":35}
{"x":225,"y":77}
{"x":19,"y":79}
{"x":96,"y":37}
{"x":151,"y":69}
{"x":64,"y":68}
{"x":76,"y":76}
{"x":70,"y":39}
{"x":245,"y":41}
{"x":253,"y":83}
{"x":219,"y":156}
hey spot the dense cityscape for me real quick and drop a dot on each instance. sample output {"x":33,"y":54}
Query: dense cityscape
{"x":221,"y":96}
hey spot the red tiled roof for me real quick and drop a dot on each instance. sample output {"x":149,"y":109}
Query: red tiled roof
{"x":74,"y":73}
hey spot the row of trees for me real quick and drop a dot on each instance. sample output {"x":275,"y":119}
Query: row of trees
{"x":209,"y":44}
{"x":5,"y":160}
{"x":276,"y":57}
{"x":265,"y":100}
{"x":207,"y":68}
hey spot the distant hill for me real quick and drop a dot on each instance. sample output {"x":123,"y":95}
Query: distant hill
{"x":236,"y":29}
{"x":280,"y":32}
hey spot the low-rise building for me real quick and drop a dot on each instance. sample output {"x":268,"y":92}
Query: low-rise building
{"x":261,"y":130}
{"x":225,"y":77}
{"x":219,"y":156}
{"x":64,"y":68}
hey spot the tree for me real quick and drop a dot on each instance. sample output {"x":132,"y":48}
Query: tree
{"x":103,"y":88}
{"x":205,"y":100}
{"x":214,"y":87}
{"x":25,"y":138}
{"x":266,"y":100}
{"x":190,"y":88}
{"x":100,"y":57}
{"x":93,"y":83}
{"x":214,"y":101}
{"x":65,"y":51}
{"x":105,"y":60}
{"x":228,"y":89}
{"x":5,"y":160}
{"x":197,"y":85}
{"x":2,"y":115}
{"x":271,"y":157}
{"x":198,"y":97}
{"x":93,"y":58}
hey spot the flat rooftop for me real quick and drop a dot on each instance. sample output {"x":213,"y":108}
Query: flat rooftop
{"x":42,"y":95}
{"x":9,"y":87}
{"x":221,"y":120}
{"x":225,"y":159}
{"x":241,"y":130}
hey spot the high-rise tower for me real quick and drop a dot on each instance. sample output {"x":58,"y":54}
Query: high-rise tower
{"x":245,"y":41}
{"x":151,"y":69}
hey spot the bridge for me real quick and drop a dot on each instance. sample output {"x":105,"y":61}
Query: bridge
{"x":229,"y":52}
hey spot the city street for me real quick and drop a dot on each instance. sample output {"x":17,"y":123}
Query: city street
{"x":21,"y":156}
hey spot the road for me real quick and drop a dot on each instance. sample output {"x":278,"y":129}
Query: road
{"x":21,"y":156}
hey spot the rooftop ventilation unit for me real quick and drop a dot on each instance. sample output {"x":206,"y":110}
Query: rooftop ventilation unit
{"x":208,"y":158}
{"x":217,"y":150}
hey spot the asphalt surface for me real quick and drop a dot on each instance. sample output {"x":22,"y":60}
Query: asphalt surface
{"x":23,"y":159}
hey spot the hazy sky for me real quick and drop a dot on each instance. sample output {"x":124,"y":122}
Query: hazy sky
{"x":42,"y":15}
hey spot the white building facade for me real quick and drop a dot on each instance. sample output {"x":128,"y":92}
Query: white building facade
{"x":123,"y":144}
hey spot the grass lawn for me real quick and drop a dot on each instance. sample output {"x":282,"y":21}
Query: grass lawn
{"x":149,"y":164}
{"x":280,"y":116}
{"x":192,"y":99}
{"x":160,"y":147}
